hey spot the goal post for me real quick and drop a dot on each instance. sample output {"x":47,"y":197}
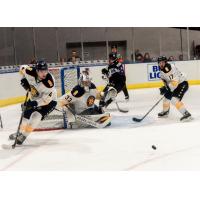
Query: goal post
{"x":65,"y":79}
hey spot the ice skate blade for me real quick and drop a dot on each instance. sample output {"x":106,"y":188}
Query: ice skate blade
{"x":189,"y":119}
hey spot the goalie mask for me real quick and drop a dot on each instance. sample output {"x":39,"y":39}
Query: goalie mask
{"x":85,"y":80}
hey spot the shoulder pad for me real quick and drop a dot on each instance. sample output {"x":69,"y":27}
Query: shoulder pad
{"x":31,"y":71}
{"x":78,"y":91}
{"x":48,"y":81}
{"x":167,"y":68}
{"x":93,"y":86}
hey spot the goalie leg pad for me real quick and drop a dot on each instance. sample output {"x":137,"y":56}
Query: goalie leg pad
{"x":111,"y":93}
{"x":103,"y":119}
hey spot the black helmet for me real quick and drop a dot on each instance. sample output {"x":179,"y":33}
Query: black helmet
{"x":162,"y":58}
{"x":41,"y":65}
{"x":113,"y":56}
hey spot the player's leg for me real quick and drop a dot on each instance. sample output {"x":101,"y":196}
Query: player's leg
{"x":166,"y":105}
{"x":125,"y":91}
{"x":177,"y":96}
{"x":31,"y":119}
{"x":108,"y":96}
{"x":115,"y":86}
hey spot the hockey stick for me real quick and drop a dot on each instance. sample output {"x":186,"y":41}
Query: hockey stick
{"x":86,"y":120}
{"x":139,"y":120}
{"x":119,"y":109}
{"x":1,"y":122}
{"x":12,"y":146}
{"x":22,"y":115}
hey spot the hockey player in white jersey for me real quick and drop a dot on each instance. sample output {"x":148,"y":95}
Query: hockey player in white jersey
{"x":81,"y":99}
{"x":175,"y":86}
{"x":42,"y":98}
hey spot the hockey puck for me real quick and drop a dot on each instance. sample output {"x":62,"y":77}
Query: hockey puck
{"x":153,"y":147}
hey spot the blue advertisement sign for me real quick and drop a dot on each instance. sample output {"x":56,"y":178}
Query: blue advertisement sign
{"x":153,"y":72}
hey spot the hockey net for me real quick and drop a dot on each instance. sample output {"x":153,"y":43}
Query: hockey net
{"x":65,"y":79}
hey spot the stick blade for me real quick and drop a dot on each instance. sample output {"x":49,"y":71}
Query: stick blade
{"x":136,"y":119}
{"x":120,"y":109}
{"x":123,"y":111}
{"x":7,"y":146}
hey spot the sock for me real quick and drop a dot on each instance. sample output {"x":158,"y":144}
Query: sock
{"x":179,"y":105}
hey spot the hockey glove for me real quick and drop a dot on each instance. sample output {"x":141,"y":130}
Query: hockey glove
{"x":163,"y":90}
{"x":25,"y":84}
{"x":104,"y":71}
{"x":31,"y":105}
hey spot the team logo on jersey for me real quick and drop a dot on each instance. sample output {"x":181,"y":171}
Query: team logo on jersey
{"x":90,"y":101}
{"x":75,"y":92}
{"x":50,"y":83}
{"x":166,"y":69}
{"x":34,"y":92}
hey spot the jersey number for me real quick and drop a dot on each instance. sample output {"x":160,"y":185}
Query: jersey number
{"x":171,"y":77}
{"x":68,"y":98}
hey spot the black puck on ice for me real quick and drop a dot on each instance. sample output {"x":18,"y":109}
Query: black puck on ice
{"x":153,"y":147}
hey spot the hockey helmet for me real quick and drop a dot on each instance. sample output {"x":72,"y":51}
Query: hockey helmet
{"x":162,"y":58}
{"x":41,"y":65}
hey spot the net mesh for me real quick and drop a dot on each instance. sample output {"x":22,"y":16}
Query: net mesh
{"x":70,"y":78}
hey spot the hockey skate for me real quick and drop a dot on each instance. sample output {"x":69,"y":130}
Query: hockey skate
{"x":20,"y":139}
{"x":12,"y":136}
{"x":186,"y":117}
{"x":163,"y":114}
{"x":126,"y":98}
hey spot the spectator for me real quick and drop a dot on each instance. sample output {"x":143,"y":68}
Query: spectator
{"x":154,"y":59}
{"x":114,"y":50}
{"x":180,"y":57}
{"x":147,"y":57}
{"x":171,"y":58}
{"x":74,"y":57}
{"x":62,"y":60}
{"x":138,"y":56}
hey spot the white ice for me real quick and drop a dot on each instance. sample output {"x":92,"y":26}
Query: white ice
{"x":125,"y":145}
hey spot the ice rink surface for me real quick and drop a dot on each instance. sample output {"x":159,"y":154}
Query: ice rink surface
{"x":125,"y":145}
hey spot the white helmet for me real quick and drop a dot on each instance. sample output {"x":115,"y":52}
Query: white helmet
{"x":85,"y":80}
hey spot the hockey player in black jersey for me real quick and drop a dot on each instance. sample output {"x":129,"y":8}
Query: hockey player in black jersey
{"x":116,"y":80}
{"x":120,"y":60}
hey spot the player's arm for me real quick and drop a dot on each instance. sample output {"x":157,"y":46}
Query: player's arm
{"x":49,"y":93}
{"x":46,"y":97}
{"x":24,"y":70}
{"x":120,"y":59}
{"x":164,"y":89}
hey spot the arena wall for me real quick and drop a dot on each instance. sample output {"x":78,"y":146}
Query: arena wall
{"x":143,"y":75}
